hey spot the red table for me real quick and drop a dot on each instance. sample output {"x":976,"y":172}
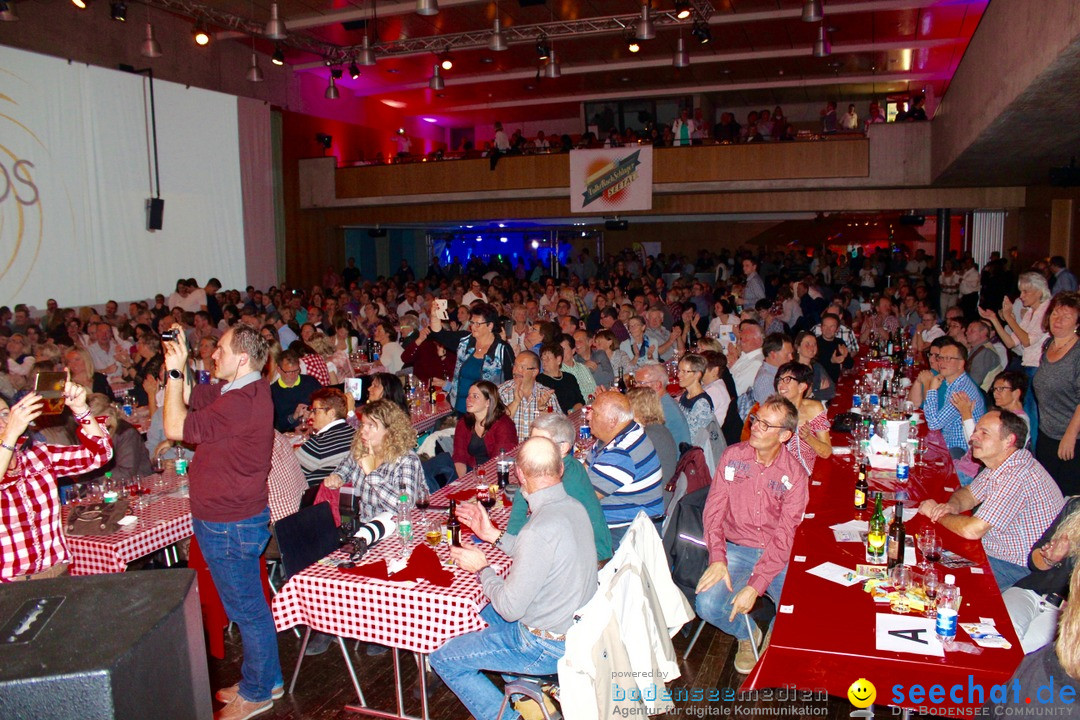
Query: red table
{"x":828,"y":641}
{"x":165,"y":520}
{"x":425,"y":417}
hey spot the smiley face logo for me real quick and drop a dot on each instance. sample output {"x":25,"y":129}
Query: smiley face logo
{"x":862,"y":693}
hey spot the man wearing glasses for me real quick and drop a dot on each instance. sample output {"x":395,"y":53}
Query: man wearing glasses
{"x":524,"y":397}
{"x":941,"y":413}
{"x":290,"y":392}
{"x":756,"y":501}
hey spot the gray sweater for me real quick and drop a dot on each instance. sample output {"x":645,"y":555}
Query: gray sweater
{"x":1057,"y":390}
{"x":554,"y":570}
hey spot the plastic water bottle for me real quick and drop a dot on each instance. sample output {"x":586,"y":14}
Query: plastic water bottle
{"x":404,"y":519}
{"x":948,"y":608}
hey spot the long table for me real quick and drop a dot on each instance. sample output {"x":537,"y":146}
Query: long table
{"x":164,"y":519}
{"x":417,"y":617}
{"x":827,"y":639}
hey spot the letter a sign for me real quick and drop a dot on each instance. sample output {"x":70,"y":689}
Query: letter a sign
{"x":907,"y":634}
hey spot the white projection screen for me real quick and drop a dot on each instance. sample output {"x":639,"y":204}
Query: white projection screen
{"x":76,"y":170}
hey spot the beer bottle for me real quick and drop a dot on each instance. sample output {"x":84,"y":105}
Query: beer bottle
{"x":453,"y":525}
{"x":862,"y":488}
{"x":877,"y":534}
{"x":897,"y":537}
{"x":621,"y":385}
{"x":433,"y":394}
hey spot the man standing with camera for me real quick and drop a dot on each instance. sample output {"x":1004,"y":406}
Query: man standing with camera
{"x":230,"y":423}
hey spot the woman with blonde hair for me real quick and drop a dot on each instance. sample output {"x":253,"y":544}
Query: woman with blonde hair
{"x":650,"y":415}
{"x":129,"y":451}
{"x":81,"y":366}
{"x":383,"y":463}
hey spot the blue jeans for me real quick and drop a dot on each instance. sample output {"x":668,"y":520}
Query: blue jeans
{"x":503,"y":647}
{"x":1030,"y":406}
{"x":1006,"y":573}
{"x":714,"y":605}
{"x":233,"y":551}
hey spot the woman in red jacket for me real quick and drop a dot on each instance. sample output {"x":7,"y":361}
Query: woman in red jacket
{"x":484,"y":430}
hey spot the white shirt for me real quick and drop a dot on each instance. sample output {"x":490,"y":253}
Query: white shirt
{"x":405,"y":307}
{"x":745,"y":370}
{"x":1031,"y":323}
{"x":391,"y":357}
{"x":970,"y":282}
{"x":470,"y":297}
{"x":717,"y":391}
{"x":104,"y":357}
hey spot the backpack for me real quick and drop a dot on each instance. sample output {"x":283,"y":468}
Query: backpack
{"x":684,"y":542}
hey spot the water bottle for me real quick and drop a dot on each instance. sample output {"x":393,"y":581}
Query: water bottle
{"x":903,"y":465}
{"x":948,"y":607}
{"x":404,"y":519}
{"x":128,"y":407}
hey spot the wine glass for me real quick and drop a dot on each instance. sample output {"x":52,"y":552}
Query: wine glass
{"x":931,"y":584}
{"x":929,"y":546}
{"x":900,"y":578}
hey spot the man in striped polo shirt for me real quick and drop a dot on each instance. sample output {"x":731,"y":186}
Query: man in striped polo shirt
{"x":623,"y":465}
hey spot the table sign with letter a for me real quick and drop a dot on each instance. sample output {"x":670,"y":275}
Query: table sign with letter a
{"x":909,"y":634}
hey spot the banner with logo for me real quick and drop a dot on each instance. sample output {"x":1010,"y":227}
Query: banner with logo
{"x":76,"y":170}
{"x":611,"y":180}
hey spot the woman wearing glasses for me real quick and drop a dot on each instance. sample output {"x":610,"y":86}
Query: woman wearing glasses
{"x":694,"y":402}
{"x":481,"y":354}
{"x":793,"y":383}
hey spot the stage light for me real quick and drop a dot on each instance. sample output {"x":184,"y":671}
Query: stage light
{"x":81,"y":4}
{"x":682,"y":9}
{"x":118,"y":11}
{"x":542,"y":48}
{"x":278,"y":58}
{"x":354,"y":71}
{"x":702,"y":32}
{"x":202,"y":37}
{"x":633,"y":46}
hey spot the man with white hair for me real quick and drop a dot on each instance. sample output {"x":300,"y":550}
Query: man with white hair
{"x":623,"y":466}
{"x":552,"y":576}
{"x":745,"y":357}
{"x":653,"y":375}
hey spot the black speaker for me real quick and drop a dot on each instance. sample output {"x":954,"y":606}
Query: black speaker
{"x":120,"y":646}
{"x":616,"y":225}
{"x":155,"y":213}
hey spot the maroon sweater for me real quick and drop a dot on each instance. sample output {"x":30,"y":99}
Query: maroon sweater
{"x":502,"y":435}
{"x":234,"y":433}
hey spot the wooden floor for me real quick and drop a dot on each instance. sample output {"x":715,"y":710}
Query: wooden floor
{"x":324,"y":686}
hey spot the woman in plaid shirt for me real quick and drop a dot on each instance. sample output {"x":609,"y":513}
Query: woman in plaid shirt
{"x":32,"y":541}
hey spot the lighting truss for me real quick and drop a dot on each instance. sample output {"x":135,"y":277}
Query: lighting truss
{"x":474,"y":39}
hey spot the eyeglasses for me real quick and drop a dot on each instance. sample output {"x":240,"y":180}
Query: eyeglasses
{"x":318,"y":408}
{"x":755,"y":419}
{"x":933,"y":355}
{"x":949,"y":357}
{"x":288,"y":371}
{"x":474,"y":323}
{"x":785,"y":379}
{"x":1001,"y":388}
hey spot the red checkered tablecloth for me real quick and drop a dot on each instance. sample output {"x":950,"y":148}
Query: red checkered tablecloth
{"x":426,"y":418}
{"x":164,"y":521}
{"x":418,"y":617}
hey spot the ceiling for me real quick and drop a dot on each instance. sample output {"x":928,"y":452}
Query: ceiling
{"x":760,"y":53}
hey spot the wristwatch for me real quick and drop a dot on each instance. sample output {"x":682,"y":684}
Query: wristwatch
{"x":176,"y":375}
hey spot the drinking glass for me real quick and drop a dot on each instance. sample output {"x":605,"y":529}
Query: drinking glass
{"x":930,"y":585}
{"x":929,"y":546}
{"x":900,"y":577}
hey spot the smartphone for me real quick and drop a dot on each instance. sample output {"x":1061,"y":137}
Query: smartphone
{"x":355,"y":387}
{"x":50,"y":386}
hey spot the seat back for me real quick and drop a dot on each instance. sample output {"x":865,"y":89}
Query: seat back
{"x":305,"y":537}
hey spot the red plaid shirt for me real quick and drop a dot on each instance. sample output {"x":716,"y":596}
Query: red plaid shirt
{"x":31,"y":532}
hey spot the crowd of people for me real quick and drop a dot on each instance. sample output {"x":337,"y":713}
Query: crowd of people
{"x":755,"y":341}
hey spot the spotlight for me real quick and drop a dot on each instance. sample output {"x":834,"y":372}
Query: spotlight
{"x":497,"y":43}
{"x":199,"y":33}
{"x":150,"y":47}
{"x":701,"y":31}
{"x":275,"y":28}
{"x":118,"y":11}
{"x":633,"y":46}
{"x":682,"y":55}
{"x":645,"y":29}
{"x":812,"y":11}
{"x":324,"y":140}
{"x":81,"y":4}
{"x":354,"y":71}
{"x":542,"y":48}
{"x":427,"y":7}
{"x":822,"y":46}
{"x":553,"y":69}
{"x":436,"y":81}
{"x":331,"y":90}
{"x":254,"y":73}
{"x":336,"y":72}
{"x":366,"y":56}
{"x":278,"y":58}
{"x":682,"y":9}
{"x":445,"y":61}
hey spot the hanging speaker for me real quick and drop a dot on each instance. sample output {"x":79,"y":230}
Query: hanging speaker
{"x":155,"y":213}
